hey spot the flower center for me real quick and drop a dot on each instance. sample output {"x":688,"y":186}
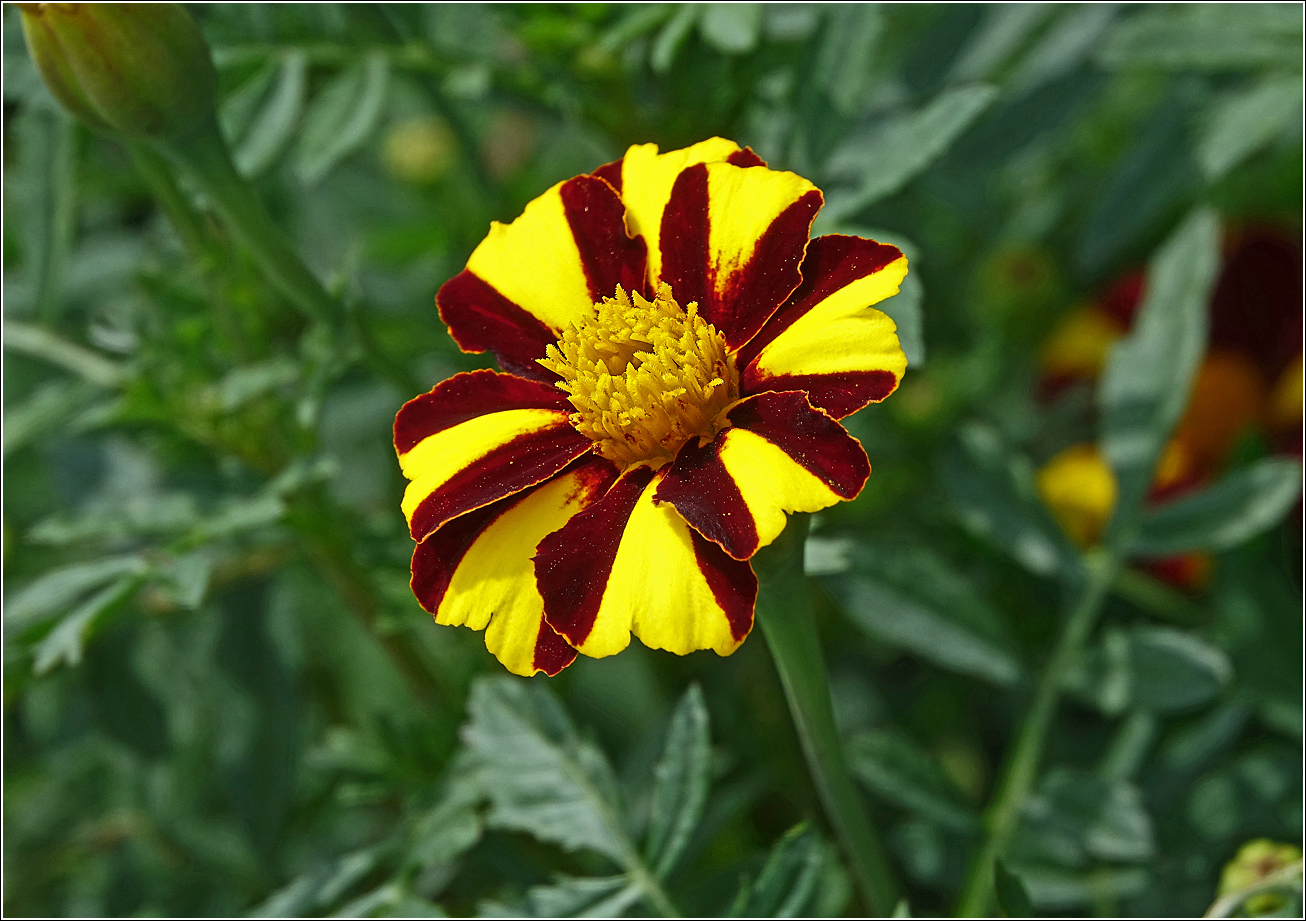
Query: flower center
{"x":644,"y":376}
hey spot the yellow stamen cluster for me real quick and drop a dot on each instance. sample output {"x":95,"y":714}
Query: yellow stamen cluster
{"x":644,"y":376}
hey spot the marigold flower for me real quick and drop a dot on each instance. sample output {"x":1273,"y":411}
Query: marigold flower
{"x":676,"y":354}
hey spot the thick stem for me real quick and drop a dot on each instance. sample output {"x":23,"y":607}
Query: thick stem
{"x":784,"y":612}
{"x":1021,"y":768}
{"x":205,"y":156}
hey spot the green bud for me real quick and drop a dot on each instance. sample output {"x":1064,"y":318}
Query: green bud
{"x":138,"y":69}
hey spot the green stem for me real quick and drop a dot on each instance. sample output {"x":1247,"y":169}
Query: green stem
{"x":205,"y":156}
{"x":1021,"y":768}
{"x":784,"y":612}
{"x":185,"y":220}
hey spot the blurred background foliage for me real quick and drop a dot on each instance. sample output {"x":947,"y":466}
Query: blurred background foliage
{"x":219,"y":694}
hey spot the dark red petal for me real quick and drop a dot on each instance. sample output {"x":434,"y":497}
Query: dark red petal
{"x":733,"y":583}
{"x":840,"y":394}
{"x":597,"y":219}
{"x":436,"y":557}
{"x":508,"y":469}
{"x":705,"y":495}
{"x":610,"y":173}
{"x":768,"y":275}
{"x":745,"y":157}
{"x":466,"y":396}
{"x":572,"y":564}
{"x":809,"y":436}
{"x":480,"y":319}
{"x":552,"y":652}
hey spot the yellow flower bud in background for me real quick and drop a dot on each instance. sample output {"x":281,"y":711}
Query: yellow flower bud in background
{"x":138,"y":69}
{"x":1080,"y":490}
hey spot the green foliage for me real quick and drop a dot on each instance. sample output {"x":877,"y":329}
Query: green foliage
{"x":220,"y":696}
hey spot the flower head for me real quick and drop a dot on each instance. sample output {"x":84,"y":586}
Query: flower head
{"x":676,"y":354}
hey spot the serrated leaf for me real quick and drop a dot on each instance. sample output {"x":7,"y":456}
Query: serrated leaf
{"x":1244,"y":121}
{"x":680,"y":783}
{"x":274,"y":124}
{"x":1240,"y":506}
{"x":892,"y":766}
{"x":884,"y":162}
{"x":1010,"y":892}
{"x":539,"y":775}
{"x":342,"y":117}
{"x":1148,"y":376}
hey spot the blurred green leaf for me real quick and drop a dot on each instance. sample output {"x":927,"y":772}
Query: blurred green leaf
{"x":1010,"y":892}
{"x":731,"y":28}
{"x":1241,"y":505}
{"x":1004,"y":29}
{"x":69,"y":637}
{"x":1076,"y":818}
{"x":788,"y":880}
{"x":1245,"y":120}
{"x":342,"y":117}
{"x":1206,"y":36}
{"x":847,"y":54}
{"x":270,"y":127}
{"x":52,"y":405}
{"x":1068,"y":41}
{"x":680,"y":783}
{"x":886,"y":160}
{"x":1155,"y":669}
{"x":1145,"y":385}
{"x":891,"y":765}
{"x":672,"y":36}
{"x":604,"y":897}
{"x":60,"y":588}
{"x":926,"y":626}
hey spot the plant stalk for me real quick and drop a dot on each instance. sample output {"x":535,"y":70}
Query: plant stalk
{"x":784,"y":612}
{"x":206,"y":158}
{"x":1021,"y":769}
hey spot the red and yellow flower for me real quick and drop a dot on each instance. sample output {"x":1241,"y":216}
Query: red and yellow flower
{"x":676,"y":354}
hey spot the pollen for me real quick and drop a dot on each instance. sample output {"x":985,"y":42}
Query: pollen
{"x":644,"y":377}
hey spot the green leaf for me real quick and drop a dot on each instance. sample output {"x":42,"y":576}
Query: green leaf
{"x":597,"y":897}
{"x":60,"y":588}
{"x":1242,"y":122}
{"x":1148,"y":375}
{"x":1006,"y":27}
{"x":539,"y":775}
{"x":1065,"y":45}
{"x":731,"y":28}
{"x":67,"y":640}
{"x":680,"y":783}
{"x":271,"y":129}
{"x":788,"y":880}
{"x":897,"y":619}
{"x":847,"y":53}
{"x":672,"y":36}
{"x":1174,"y":670}
{"x":1076,"y":818}
{"x":991,"y":485}
{"x":49,"y":407}
{"x":342,"y":117}
{"x":1240,"y":506}
{"x":1011,"y":894}
{"x":894,"y":767}
{"x":1056,"y":889}
{"x":1202,"y":36}
{"x":884,"y":162}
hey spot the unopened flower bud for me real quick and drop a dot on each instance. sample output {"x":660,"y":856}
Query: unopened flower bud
{"x":139,"y":69}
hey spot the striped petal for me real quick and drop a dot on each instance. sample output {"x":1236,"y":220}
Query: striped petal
{"x":477,"y":570}
{"x":628,"y":564}
{"x":778,"y":455}
{"x":527,"y":280}
{"x":732,"y":240}
{"x":611,"y":173}
{"x":476,"y":438}
{"x":826,"y":339}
